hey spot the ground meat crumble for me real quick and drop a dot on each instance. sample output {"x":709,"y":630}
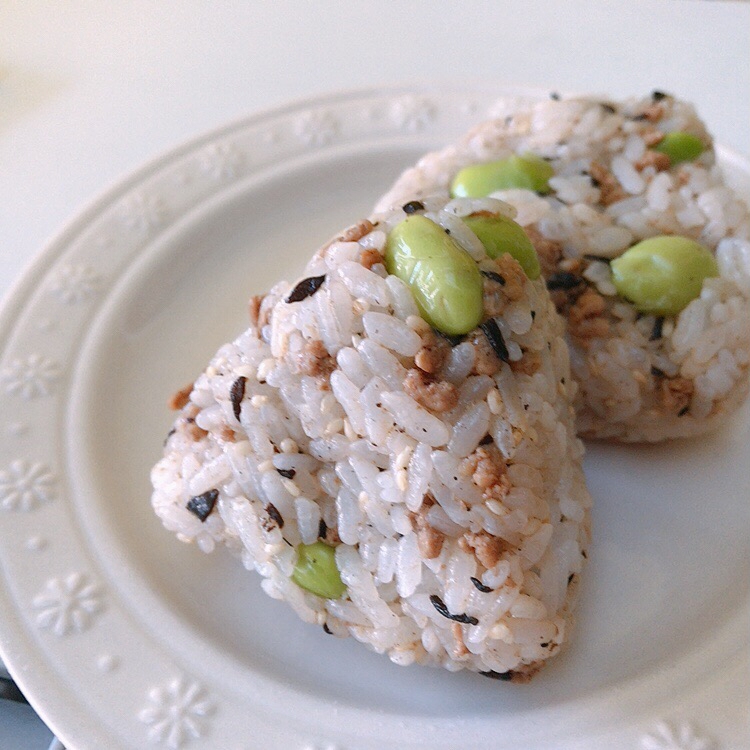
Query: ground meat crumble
{"x":436,"y":395}
{"x":676,"y":394}
{"x":370,"y":258}
{"x":609,"y":187}
{"x":487,"y":470}
{"x":188,"y":420}
{"x":228,"y":434}
{"x":314,"y":360}
{"x":652,"y":136}
{"x":548,"y":251}
{"x":585,"y":319}
{"x":653,"y":113}
{"x":253,"y":308}
{"x":179,"y":400}
{"x":528,"y":364}
{"x":660,"y":162}
{"x":486,"y":548}
{"x":356,"y":231}
{"x":515,"y":277}
{"x":431,"y":357}
{"x":486,"y":362}
{"x":429,"y":539}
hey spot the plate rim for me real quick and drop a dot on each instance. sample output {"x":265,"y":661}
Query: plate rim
{"x":32,"y":275}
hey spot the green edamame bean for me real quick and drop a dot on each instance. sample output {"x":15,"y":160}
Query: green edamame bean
{"x":442,"y":276}
{"x":527,"y":171}
{"x":679,"y":146}
{"x":661,"y":275}
{"x":501,"y":235}
{"x":316,"y":571}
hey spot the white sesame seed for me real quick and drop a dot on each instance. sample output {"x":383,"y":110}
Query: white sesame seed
{"x":497,"y":507}
{"x":327,"y":403}
{"x":402,"y":460}
{"x":291,"y":487}
{"x":289,"y":446}
{"x":495,"y":402}
{"x":266,"y":466}
{"x":333,"y":427}
{"x":501,"y":632}
{"x":417,"y":324}
{"x":402,"y":481}
{"x":264,"y":369}
{"x":360,"y":306}
{"x":349,"y":431}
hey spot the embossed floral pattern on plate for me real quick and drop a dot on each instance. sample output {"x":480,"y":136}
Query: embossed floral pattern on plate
{"x":68,"y":605}
{"x":33,"y":376}
{"x":25,"y":485}
{"x":676,"y":736}
{"x":177,"y":712}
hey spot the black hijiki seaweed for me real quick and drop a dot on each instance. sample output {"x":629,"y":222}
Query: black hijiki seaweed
{"x":412,"y":207}
{"x":656,"y":331}
{"x":504,"y":676}
{"x":236,"y":394}
{"x":287,"y":473}
{"x":273,"y":513}
{"x":563,"y":280}
{"x":463,"y":618}
{"x":306,"y":288}
{"x":495,"y":336}
{"x":480,"y":586}
{"x":202,"y":505}
{"x":452,"y":340}
{"x":493,"y":276}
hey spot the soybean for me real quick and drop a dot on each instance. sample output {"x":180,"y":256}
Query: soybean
{"x":679,"y":147}
{"x":662,"y":275}
{"x":442,"y":276}
{"x":501,"y":235}
{"x":527,"y":171}
{"x":316,"y":571}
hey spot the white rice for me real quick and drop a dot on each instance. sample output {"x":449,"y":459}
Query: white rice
{"x":454,"y":554}
{"x":633,"y":384}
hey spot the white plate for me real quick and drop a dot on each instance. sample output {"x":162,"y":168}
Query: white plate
{"x":120,"y":635}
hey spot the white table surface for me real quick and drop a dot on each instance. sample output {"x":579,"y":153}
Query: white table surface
{"x":91,"y":90}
